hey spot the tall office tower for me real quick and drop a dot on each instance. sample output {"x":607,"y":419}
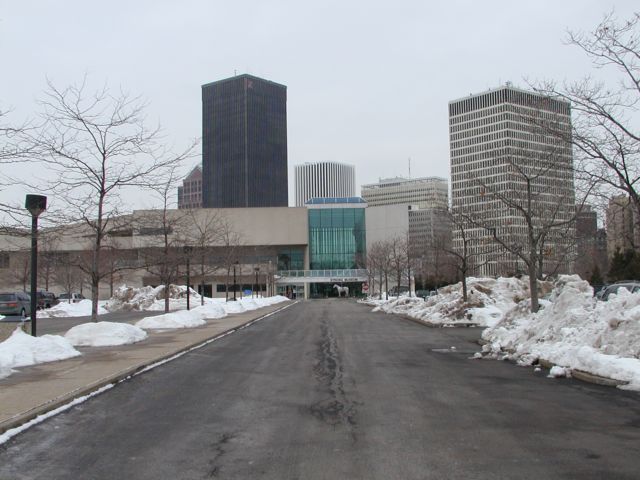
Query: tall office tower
{"x":591,"y":246}
{"x":503,"y":143}
{"x":323,"y":180}
{"x":623,"y":232}
{"x":190,"y":193}
{"x":427,"y":192}
{"x":244,"y":143}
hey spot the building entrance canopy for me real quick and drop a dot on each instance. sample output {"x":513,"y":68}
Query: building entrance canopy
{"x":288,"y":277}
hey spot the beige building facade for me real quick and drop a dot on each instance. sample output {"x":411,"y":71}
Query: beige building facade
{"x":256,"y":242}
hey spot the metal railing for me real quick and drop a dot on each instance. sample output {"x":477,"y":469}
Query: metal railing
{"x":338,"y":273}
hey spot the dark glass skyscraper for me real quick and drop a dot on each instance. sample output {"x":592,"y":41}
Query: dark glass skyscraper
{"x":244,"y":143}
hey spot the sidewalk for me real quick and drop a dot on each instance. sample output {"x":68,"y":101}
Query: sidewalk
{"x":35,"y":390}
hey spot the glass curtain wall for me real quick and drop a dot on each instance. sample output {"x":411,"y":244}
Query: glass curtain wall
{"x":337,"y":238}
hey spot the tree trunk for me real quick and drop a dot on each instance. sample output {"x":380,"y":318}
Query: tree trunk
{"x":166,"y":298}
{"x":202,"y":283}
{"x":464,"y":287}
{"x":386,"y":285}
{"x":533,"y":287}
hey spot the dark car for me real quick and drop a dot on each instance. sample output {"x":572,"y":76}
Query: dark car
{"x":15,"y":303}
{"x":632,"y":286}
{"x":46,"y":299}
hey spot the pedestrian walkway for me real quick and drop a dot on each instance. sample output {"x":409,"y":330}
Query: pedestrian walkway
{"x":35,"y":390}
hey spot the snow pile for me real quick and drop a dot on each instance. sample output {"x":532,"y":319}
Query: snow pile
{"x":150,"y":298}
{"x":179,"y":319}
{"x":20,"y":350}
{"x":212,"y":309}
{"x":102,"y":334}
{"x":488,"y":300}
{"x":65,"y":309}
{"x":574,"y":331}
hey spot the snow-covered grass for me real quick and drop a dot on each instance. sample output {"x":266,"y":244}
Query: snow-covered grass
{"x":20,"y":350}
{"x":572,"y":330}
{"x":212,"y":309}
{"x":102,"y":334}
{"x":65,"y":309}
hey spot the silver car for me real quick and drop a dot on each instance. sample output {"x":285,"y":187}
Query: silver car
{"x":612,"y":289}
{"x":15,"y":303}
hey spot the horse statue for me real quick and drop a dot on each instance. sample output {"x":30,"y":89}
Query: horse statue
{"x":342,"y":291}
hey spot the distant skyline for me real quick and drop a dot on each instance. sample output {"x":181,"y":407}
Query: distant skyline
{"x":368,"y":83}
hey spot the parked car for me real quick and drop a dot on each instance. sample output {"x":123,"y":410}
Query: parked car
{"x":70,"y":297}
{"x":46,"y":299}
{"x":631,"y":285}
{"x":426,"y":293}
{"x":394,"y":291}
{"x":15,"y":303}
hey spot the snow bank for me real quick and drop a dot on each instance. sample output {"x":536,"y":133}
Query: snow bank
{"x":65,"y":309}
{"x":102,"y":334}
{"x":180,"y":319}
{"x":212,"y":309}
{"x":488,"y":300}
{"x":575,"y":331}
{"x":20,"y":350}
{"x":150,"y":298}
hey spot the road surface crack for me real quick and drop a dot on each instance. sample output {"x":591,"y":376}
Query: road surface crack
{"x":336,"y":409}
{"x":219,"y":450}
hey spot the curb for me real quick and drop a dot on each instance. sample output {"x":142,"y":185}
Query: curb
{"x":123,"y":375}
{"x":586,"y":376}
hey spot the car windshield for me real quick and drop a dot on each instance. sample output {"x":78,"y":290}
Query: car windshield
{"x":64,"y":295}
{"x":7,"y":297}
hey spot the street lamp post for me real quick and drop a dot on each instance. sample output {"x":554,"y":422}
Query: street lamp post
{"x":234,"y":280}
{"x":187,"y":251}
{"x":36,"y":204}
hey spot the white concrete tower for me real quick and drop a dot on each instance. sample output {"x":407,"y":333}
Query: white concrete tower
{"x":323,"y":180}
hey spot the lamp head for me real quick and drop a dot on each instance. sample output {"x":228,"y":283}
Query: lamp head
{"x":36,"y":204}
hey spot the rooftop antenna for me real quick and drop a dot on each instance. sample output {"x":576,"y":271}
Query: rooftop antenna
{"x":235,"y":72}
{"x":409,"y":167}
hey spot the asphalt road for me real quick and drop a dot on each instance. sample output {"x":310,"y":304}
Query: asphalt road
{"x":327,"y":390}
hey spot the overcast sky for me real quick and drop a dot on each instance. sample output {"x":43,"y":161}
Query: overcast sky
{"x":368,"y":82}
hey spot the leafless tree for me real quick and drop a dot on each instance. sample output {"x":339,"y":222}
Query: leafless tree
{"x":605,"y":131}
{"x":67,"y":272}
{"x":165,"y":230}
{"x":98,"y":144}
{"x":381,"y":255}
{"x":231,"y":242}
{"x":207,"y":228}
{"x":399,"y":257}
{"x":466,"y":260}
{"x":21,"y":268}
{"x":377,"y":257}
{"x":13,"y":149}
{"x":541,"y":211}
